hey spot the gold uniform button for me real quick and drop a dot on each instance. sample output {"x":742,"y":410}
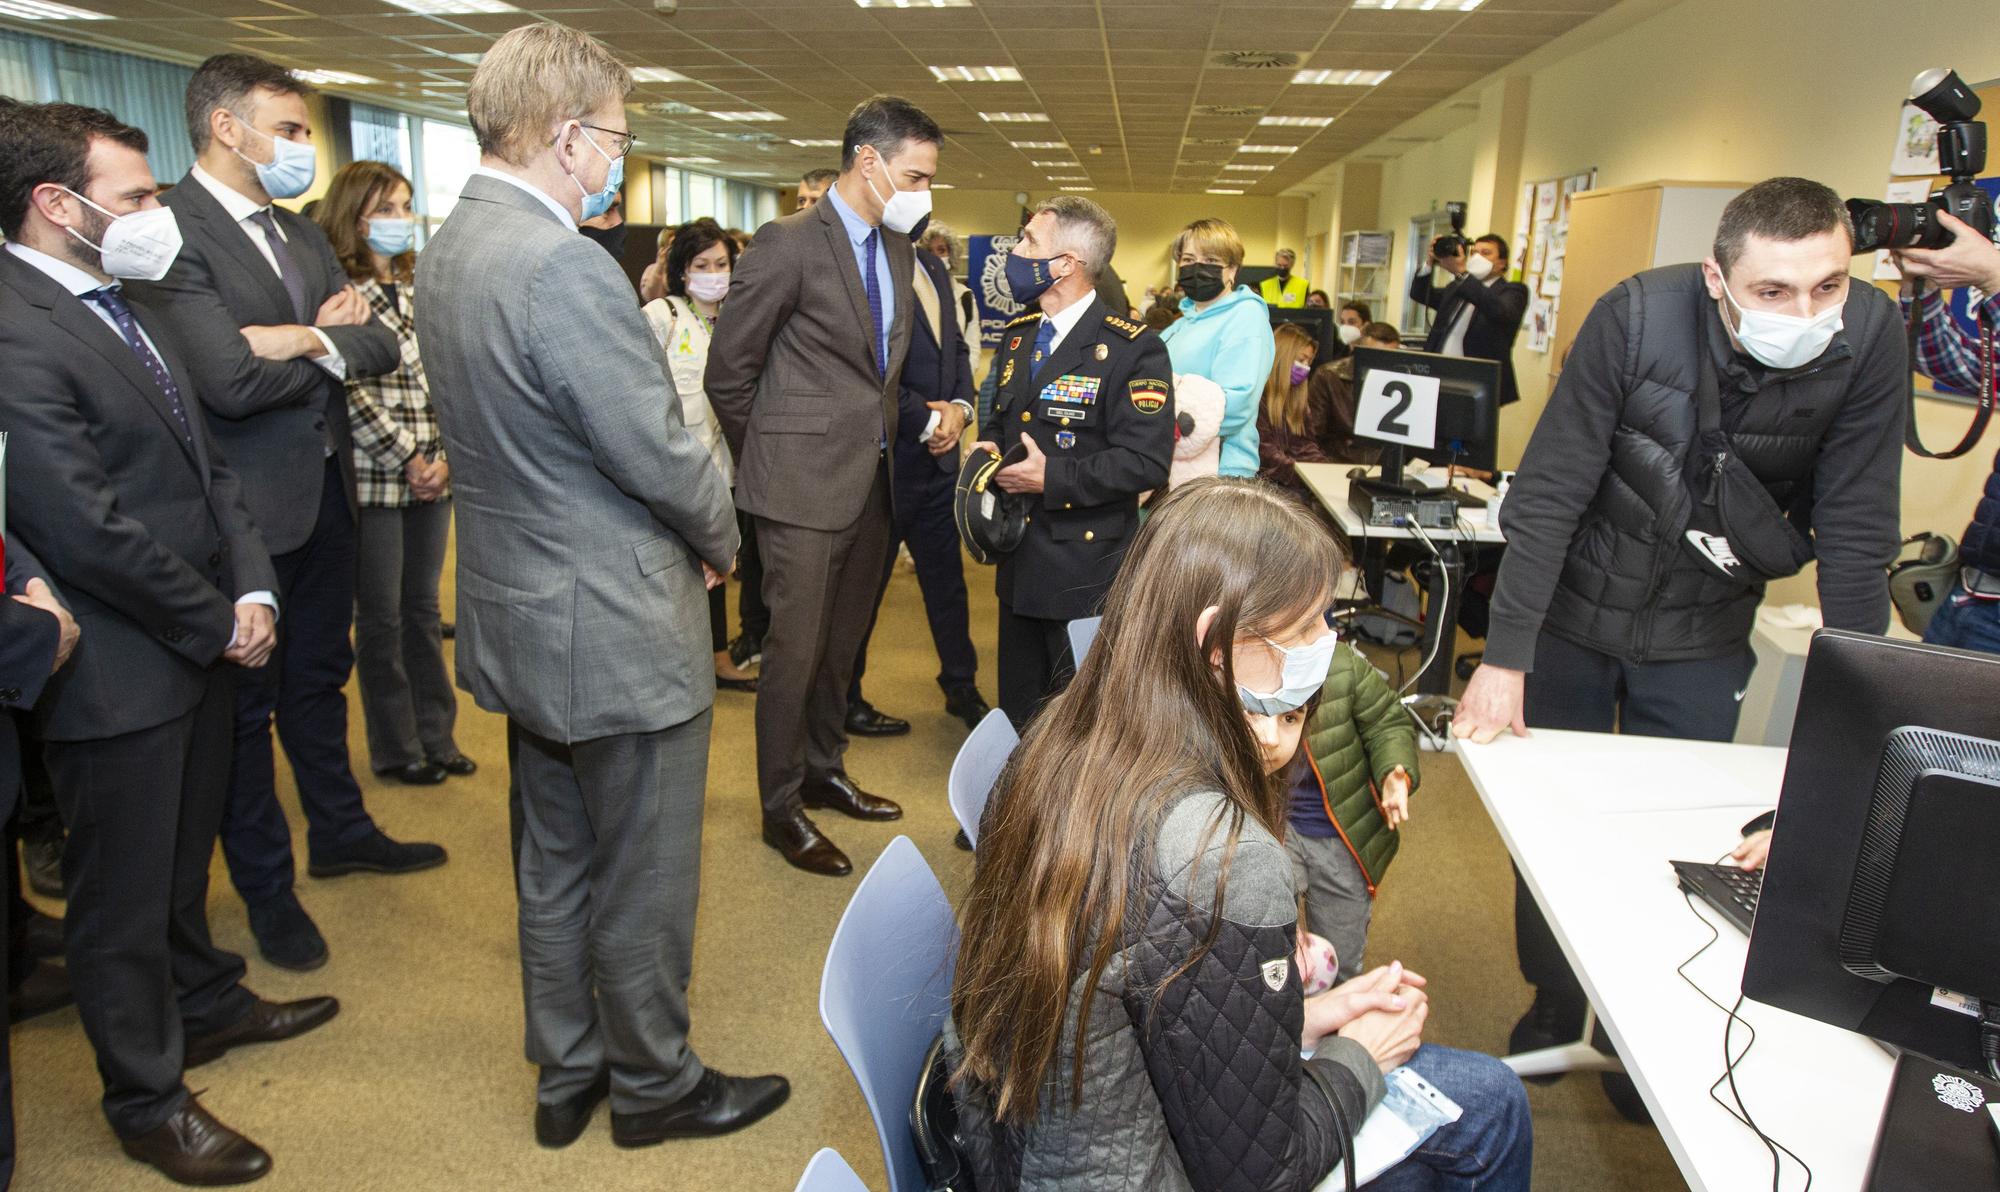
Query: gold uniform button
{"x":1065,"y":422}
{"x":1090,"y":535}
{"x":1067,"y":505}
{"x":1025,"y":416}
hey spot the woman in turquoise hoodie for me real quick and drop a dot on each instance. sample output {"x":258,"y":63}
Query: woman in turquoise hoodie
{"x":1224,"y":334}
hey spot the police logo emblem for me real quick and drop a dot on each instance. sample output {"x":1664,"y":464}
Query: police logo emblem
{"x":1102,"y":353}
{"x":1065,"y":439}
{"x":1149,"y":396}
{"x":1014,"y":345}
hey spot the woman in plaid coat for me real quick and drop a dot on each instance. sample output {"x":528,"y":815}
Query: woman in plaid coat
{"x":404,"y":485}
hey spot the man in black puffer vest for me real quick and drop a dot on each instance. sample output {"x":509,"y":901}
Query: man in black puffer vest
{"x":1610,"y":610}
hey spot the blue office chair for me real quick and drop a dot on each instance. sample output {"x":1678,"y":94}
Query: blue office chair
{"x":885,"y":991}
{"x":1082,"y":632}
{"x":828,"y":1172}
{"x":977,"y":767}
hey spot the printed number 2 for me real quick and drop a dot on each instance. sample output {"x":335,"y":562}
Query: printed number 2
{"x":1391,"y":420}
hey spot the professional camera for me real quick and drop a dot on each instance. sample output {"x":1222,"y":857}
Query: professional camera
{"x":1454,"y":243}
{"x":1961,"y":147}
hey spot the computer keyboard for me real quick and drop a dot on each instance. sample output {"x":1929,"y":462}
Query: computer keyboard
{"x":1731,"y":891}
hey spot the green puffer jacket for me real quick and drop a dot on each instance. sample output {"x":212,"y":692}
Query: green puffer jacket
{"x":1359,"y":734}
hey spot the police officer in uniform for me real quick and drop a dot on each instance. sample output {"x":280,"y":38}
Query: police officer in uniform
{"x":1087,"y":394}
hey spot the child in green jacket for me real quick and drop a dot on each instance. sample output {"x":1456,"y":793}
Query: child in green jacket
{"x":1350,"y":791}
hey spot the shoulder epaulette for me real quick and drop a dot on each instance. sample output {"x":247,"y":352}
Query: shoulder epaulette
{"x":1124,"y":326}
{"x":1031,"y":317}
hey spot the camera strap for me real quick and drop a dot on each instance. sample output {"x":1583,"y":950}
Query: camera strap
{"x":1911,"y":438}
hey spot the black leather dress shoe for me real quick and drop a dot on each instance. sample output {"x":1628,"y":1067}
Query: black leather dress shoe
{"x":727,"y":684}
{"x":267,"y":1022}
{"x":746,"y":651}
{"x":191,"y":1147}
{"x":286,"y":935}
{"x":1551,"y":1021}
{"x":424,"y":773}
{"x":43,"y":861}
{"x":457,"y":765}
{"x":967,"y":704}
{"x":717,"y":1104}
{"x":864,"y":721}
{"x":798,"y":838}
{"x":562,"y":1123}
{"x":377,"y":854}
{"x":837,"y":792}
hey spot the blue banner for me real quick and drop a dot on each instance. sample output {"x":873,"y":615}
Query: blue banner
{"x":986,"y":267}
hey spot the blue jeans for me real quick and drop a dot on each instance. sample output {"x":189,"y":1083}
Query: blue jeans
{"x":1967,"y":622}
{"x":1490,"y":1147}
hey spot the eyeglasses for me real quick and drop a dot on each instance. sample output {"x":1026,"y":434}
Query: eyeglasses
{"x":622,"y":145}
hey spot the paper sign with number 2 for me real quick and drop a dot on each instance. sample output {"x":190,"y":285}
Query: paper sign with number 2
{"x":1397,"y":408}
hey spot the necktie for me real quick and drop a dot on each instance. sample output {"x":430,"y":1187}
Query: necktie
{"x":288,"y":269}
{"x":128,"y":327}
{"x":874,"y":284}
{"x":1045,"y":341}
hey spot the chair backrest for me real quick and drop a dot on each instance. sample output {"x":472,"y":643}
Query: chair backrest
{"x":885,"y":992}
{"x":828,"y":1172}
{"x":1082,"y":632}
{"x":977,"y":767}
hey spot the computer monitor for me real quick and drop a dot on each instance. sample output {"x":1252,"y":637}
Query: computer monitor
{"x":1880,"y":910}
{"x":1468,"y":398}
{"x":1316,"y":322}
{"x":1254,"y":275}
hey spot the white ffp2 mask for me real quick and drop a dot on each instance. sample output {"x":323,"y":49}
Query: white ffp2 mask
{"x":1784,"y":341}
{"x":139,"y":246}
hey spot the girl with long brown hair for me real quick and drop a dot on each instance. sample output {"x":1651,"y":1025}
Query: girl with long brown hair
{"x":1126,"y":1008}
{"x":1288,"y":425}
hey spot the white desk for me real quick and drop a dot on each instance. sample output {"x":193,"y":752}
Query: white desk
{"x":1329,"y":483}
{"x":1592,"y":820}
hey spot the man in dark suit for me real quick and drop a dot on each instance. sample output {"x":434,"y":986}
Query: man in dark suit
{"x":1089,"y":394}
{"x":937,"y":377}
{"x":273,"y":329}
{"x":116,"y":484}
{"x":802,"y":376}
{"x":1479,"y":313}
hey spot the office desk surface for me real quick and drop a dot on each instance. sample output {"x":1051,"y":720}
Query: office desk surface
{"x":1329,"y":484}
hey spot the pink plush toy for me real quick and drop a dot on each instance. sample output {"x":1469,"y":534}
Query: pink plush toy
{"x":1198,"y":405}
{"x":1319,"y":966}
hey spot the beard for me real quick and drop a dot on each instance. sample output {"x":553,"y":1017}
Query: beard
{"x":80,"y":254}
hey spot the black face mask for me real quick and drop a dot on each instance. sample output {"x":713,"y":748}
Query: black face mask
{"x":612,"y":240}
{"x":1200,"y":282}
{"x":1284,"y":273}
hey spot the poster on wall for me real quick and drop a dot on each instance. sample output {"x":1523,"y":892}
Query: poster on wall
{"x":1541,"y":324}
{"x":1916,"y":143}
{"x":986,"y":264}
{"x":1545,"y":201}
{"x":1540,"y":253}
{"x":1552,"y":278}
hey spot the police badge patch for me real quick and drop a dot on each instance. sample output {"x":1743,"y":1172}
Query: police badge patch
{"x":1149,"y":396}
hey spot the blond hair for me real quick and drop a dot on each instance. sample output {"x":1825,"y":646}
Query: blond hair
{"x":1211,"y":236}
{"x":535,"y":77}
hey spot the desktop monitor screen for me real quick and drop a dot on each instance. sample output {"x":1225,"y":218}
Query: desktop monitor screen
{"x":1880,"y":909}
{"x":1254,"y":275}
{"x":1468,"y":396}
{"x":1315,"y":322}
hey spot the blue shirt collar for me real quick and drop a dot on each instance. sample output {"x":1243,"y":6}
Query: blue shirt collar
{"x":857,"y":227}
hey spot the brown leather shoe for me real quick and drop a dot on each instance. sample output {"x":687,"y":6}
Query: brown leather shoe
{"x":191,"y":1147}
{"x":837,"y":792}
{"x":267,"y":1022}
{"x":798,"y":838}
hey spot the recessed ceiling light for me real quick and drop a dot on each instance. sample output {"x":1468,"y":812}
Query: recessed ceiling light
{"x":692,"y":161}
{"x":1340,"y":78}
{"x":657,"y":74}
{"x":1297,"y":121}
{"x":1039,"y":144}
{"x":817,"y":143}
{"x":1069,"y":177}
{"x":1267,"y":148}
{"x":1053,"y":164}
{"x":468,"y":59}
{"x":1223,"y":190}
{"x":746,"y":117}
{"x":941,"y":186}
{"x":975,"y":74}
{"x":1255,"y":169}
{"x":322,"y":78}
{"x":440,"y":8}
{"x":913,"y":3}
{"x":37,"y":10}
{"x":1076,"y":188}
{"x":1420,"y":5}
{"x":1014,"y":117}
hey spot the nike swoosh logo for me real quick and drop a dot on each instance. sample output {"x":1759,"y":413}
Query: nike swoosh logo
{"x":1713,"y":548}
{"x":1741,"y":694}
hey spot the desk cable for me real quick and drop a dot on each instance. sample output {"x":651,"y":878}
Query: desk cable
{"x":1739,"y":1111}
{"x":1445,"y":632}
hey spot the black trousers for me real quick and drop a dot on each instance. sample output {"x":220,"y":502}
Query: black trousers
{"x":143,"y":810}
{"x":751,"y":612}
{"x":1035,"y":663}
{"x":301,"y":688}
{"x":922,"y":517}
{"x":1575,"y":687}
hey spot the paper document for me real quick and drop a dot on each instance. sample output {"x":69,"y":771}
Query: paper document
{"x":1410,"y":1113}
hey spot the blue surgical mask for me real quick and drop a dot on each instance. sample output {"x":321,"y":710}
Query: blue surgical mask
{"x":1028,"y":278}
{"x":1303,"y":675}
{"x":290,"y":171}
{"x":596,"y":203}
{"x":391,"y":237}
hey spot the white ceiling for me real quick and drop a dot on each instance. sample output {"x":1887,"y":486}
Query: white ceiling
{"x":1128,"y":85}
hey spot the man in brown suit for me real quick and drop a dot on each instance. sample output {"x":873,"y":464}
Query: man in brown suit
{"x":802,"y":375}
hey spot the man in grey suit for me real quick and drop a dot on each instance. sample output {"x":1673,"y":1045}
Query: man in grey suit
{"x":803,"y":375}
{"x":590,"y":524}
{"x":272,"y":328}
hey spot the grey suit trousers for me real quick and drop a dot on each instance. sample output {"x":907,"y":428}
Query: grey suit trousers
{"x":608,"y":869}
{"x":821,"y":586}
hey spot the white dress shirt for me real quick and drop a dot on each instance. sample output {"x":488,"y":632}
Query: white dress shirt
{"x":1066,"y":319}
{"x":1454,"y":340}
{"x":562,"y":212}
{"x":240,"y":208}
{"x":77,"y":282}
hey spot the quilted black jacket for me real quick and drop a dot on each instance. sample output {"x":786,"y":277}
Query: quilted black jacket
{"x":1198,"y":1085}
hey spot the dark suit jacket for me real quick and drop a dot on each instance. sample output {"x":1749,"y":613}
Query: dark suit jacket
{"x":932,"y":372}
{"x":273,"y":419}
{"x":28,"y":639}
{"x":1497,"y":311}
{"x":791,"y":371}
{"x":143,"y":535}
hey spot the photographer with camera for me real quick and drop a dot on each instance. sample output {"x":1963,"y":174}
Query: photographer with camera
{"x":1478,"y":313}
{"x":1969,"y":617}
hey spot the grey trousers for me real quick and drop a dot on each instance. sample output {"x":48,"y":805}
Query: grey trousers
{"x":406,"y":693}
{"x":1338,"y":906}
{"x":821,"y":586}
{"x":608,"y":869}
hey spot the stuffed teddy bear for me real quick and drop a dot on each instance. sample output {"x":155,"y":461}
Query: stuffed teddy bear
{"x":1198,"y":404}
{"x":1319,"y":965}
